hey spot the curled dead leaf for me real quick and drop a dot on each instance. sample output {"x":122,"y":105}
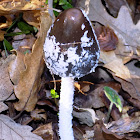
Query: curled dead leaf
{"x":45,"y":131}
{"x":2,"y":35}
{"x":6,"y":86}
{"x":38,"y":114}
{"x":10,"y":6}
{"x":29,"y":81}
{"x":115,"y":64}
{"x":16,"y":66}
{"x":107,"y":39}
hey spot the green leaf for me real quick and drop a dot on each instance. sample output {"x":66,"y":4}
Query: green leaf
{"x":7,"y":45}
{"x":55,"y":1}
{"x":46,"y":2}
{"x":35,"y":29}
{"x":70,"y":1}
{"x":54,"y":94}
{"x":67,"y":6}
{"x":62,"y":2}
{"x":112,"y":95}
{"x":17,"y":33}
{"x":56,"y":13}
{"x":24,"y":27}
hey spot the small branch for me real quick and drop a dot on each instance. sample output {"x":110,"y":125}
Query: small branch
{"x":50,"y":4}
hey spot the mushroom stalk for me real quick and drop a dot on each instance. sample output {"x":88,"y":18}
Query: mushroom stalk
{"x":65,"y":108}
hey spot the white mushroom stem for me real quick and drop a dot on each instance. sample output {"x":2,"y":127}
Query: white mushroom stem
{"x":65,"y":109}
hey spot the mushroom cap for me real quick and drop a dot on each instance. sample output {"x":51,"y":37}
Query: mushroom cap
{"x":71,"y":47}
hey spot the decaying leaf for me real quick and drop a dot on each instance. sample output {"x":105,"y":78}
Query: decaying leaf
{"x":85,"y":115}
{"x":16,"y":66}
{"x":125,"y":125}
{"x":115,"y":64}
{"x":8,"y":22}
{"x":32,"y":18}
{"x":12,"y":6}
{"x":45,"y":131}
{"x":114,"y":6}
{"x":132,"y":88}
{"x":6,"y":86}
{"x":108,"y":41}
{"x":3,"y":107}
{"x":102,"y":133}
{"x":10,"y":130}
{"x":38,"y":114}
{"x":29,"y":81}
{"x":2,"y":35}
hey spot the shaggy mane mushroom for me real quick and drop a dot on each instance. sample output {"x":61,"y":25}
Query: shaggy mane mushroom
{"x":71,"y":51}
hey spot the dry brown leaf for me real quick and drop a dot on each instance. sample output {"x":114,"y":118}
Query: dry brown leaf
{"x":3,"y":107}
{"x":108,"y":40}
{"x":45,"y":131}
{"x":7,"y":21}
{"x":132,"y":88}
{"x":6,"y":86}
{"x":85,"y":115}
{"x":16,"y":66}
{"x":116,"y":65}
{"x":125,"y":125}
{"x":12,"y":6}
{"x":114,"y":6}
{"x":10,"y":130}
{"x":38,"y":114}
{"x":29,"y":81}
{"x":2,"y":35}
{"x":102,"y":133}
{"x":32,"y":18}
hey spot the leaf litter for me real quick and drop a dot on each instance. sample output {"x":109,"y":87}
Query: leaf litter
{"x":23,"y":74}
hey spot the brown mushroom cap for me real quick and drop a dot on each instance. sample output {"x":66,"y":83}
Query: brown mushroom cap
{"x":71,"y":48}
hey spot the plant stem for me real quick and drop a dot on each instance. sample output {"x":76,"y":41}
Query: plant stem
{"x":109,"y":111}
{"x":65,"y":109}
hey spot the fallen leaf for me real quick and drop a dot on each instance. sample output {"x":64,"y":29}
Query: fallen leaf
{"x":45,"y":131}
{"x":115,"y":64}
{"x":114,"y":6}
{"x":3,"y":107}
{"x":30,"y":78}
{"x":102,"y":133}
{"x":2,"y":35}
{"x":7,"y":22}
{"x":38,"y":114}
{"x":16,"y":66}
{"x":85,"y":115}
{"x":10,"y":6}
{"x":124,"y":125}
{"x":108,"y":40}
{"x":11,"y":130}
{"x":132,"y":88}
{"x":32,"y":18}
{"x":6,"y":86}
